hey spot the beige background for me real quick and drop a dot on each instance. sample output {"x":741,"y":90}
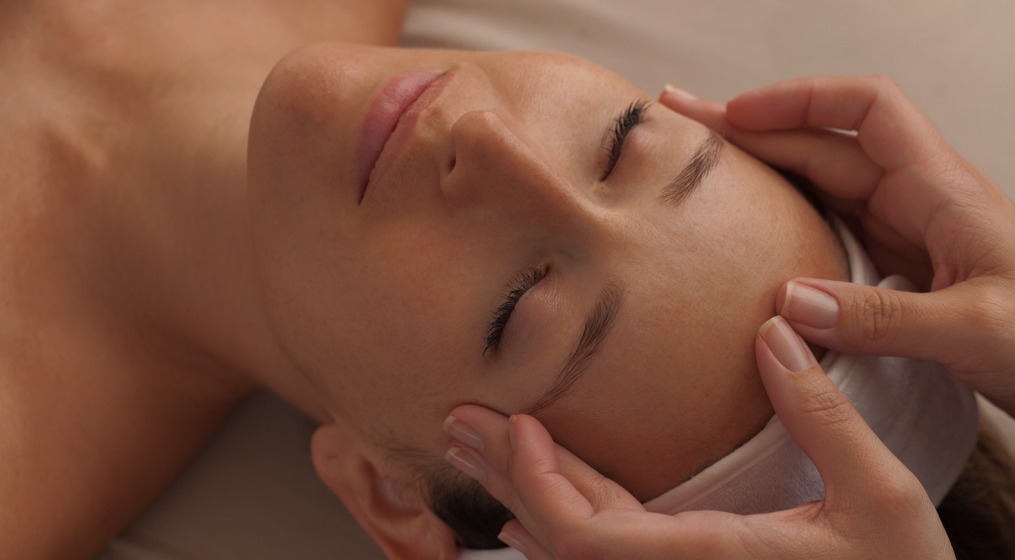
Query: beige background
{"x":252,"y":495}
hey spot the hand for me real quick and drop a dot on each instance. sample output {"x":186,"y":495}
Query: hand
{"x":919,"y":208}
{"x":873,"y":507}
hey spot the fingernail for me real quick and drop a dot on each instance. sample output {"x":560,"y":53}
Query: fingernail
{"x":507,"y":538}
{"x":463,"y":433}
{"x":809,"y":306}
{"x":462,"y":460}
{"x":786,"y":345}
{"x":512,"y":426}
{"x":673,"y":90}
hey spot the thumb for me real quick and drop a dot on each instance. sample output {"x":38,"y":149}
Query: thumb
{"x":817,"y":414}
{"x":876,"y":320}
{"x":874,"y":506}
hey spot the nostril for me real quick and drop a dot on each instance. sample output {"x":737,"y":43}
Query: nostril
{"x":447,"y":176}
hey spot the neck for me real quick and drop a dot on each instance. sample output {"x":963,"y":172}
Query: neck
{"x":171,"y":255}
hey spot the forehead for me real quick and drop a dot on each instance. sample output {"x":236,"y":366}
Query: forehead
{"x":694,"y":290}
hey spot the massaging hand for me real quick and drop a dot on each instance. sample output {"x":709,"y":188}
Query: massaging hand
{"x":920,"y":209}
{"x":874,"y":507}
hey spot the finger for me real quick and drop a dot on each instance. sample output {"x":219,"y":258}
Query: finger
{"x":548,"y":494}
{"x":480,"y":449}
{"x":819,"y":417}
{"x":506,"y":478}
{"x":894,"y":253}
{"x":608,"y":531}
{"x":832,"y":161}
{"x":954,"y":326}
{"x":472,"y":464}
{"x":925,"y":186}
{"x":517,"y":537}
{"x":922,"y":174}
{"x":601,"y":492}
{"x":872,"y":501}
{"x":616,"y":532}
{"x":486,"y":431}
{"x":708,"y":113}
{"x":891,"y":130}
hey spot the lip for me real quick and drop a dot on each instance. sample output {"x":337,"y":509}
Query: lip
{"x":402,"y":94}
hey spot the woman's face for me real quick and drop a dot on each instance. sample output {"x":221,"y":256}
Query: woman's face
{"x":506,"y":253}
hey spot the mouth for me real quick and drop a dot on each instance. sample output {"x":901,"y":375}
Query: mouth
{"x":403,"y":95}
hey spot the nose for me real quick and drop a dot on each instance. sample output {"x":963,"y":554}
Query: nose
{"x":497,"y":164}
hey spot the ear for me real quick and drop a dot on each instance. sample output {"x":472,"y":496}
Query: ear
{"x":397,"y":519}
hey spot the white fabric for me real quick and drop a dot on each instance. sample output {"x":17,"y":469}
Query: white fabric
{"x":926,"y":418}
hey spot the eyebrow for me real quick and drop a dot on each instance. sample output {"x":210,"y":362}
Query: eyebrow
{"x":704,"y":160}
{"x":597,"y":326}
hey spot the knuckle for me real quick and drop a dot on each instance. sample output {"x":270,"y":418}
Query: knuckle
{"x":880,"y":315}
{"x":600,"y":491}
{"x":992,"y":310}
{"x":826,"y":406}
{"x":898,"y":493}
{"x":820,"y":401}
{"x":989,"y":319}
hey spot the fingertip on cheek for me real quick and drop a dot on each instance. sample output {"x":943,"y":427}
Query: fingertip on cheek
{"x":515,"y":536}
{"x":512,"y":542}
{"x":466,"y":462}
{"x":786,"y":345}
{"x":463,"y":433}
{"x":512,"y":430}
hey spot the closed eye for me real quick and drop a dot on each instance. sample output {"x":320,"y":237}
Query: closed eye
{"x":516,"y":289}
{"x":622,"y":127}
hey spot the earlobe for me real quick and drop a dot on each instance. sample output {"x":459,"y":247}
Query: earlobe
{"x":396,"y":518}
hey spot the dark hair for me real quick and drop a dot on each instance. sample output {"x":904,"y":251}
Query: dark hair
{"x":471,"y":512}
{"x":978,"y":513}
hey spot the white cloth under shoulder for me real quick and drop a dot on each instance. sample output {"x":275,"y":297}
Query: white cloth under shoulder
{"x":923,"y":415}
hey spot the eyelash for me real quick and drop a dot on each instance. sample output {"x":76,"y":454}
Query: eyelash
{"x":624,"y":124}
{"x":525,"y":282}
{"x":622,"y":127}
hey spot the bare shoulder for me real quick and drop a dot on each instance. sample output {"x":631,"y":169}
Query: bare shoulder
{"x":92,"y":427}
{"x":96,"y":415}
{"x":98,"y":408}
{"x":85,"y":450}
{"x":122,"y":29}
